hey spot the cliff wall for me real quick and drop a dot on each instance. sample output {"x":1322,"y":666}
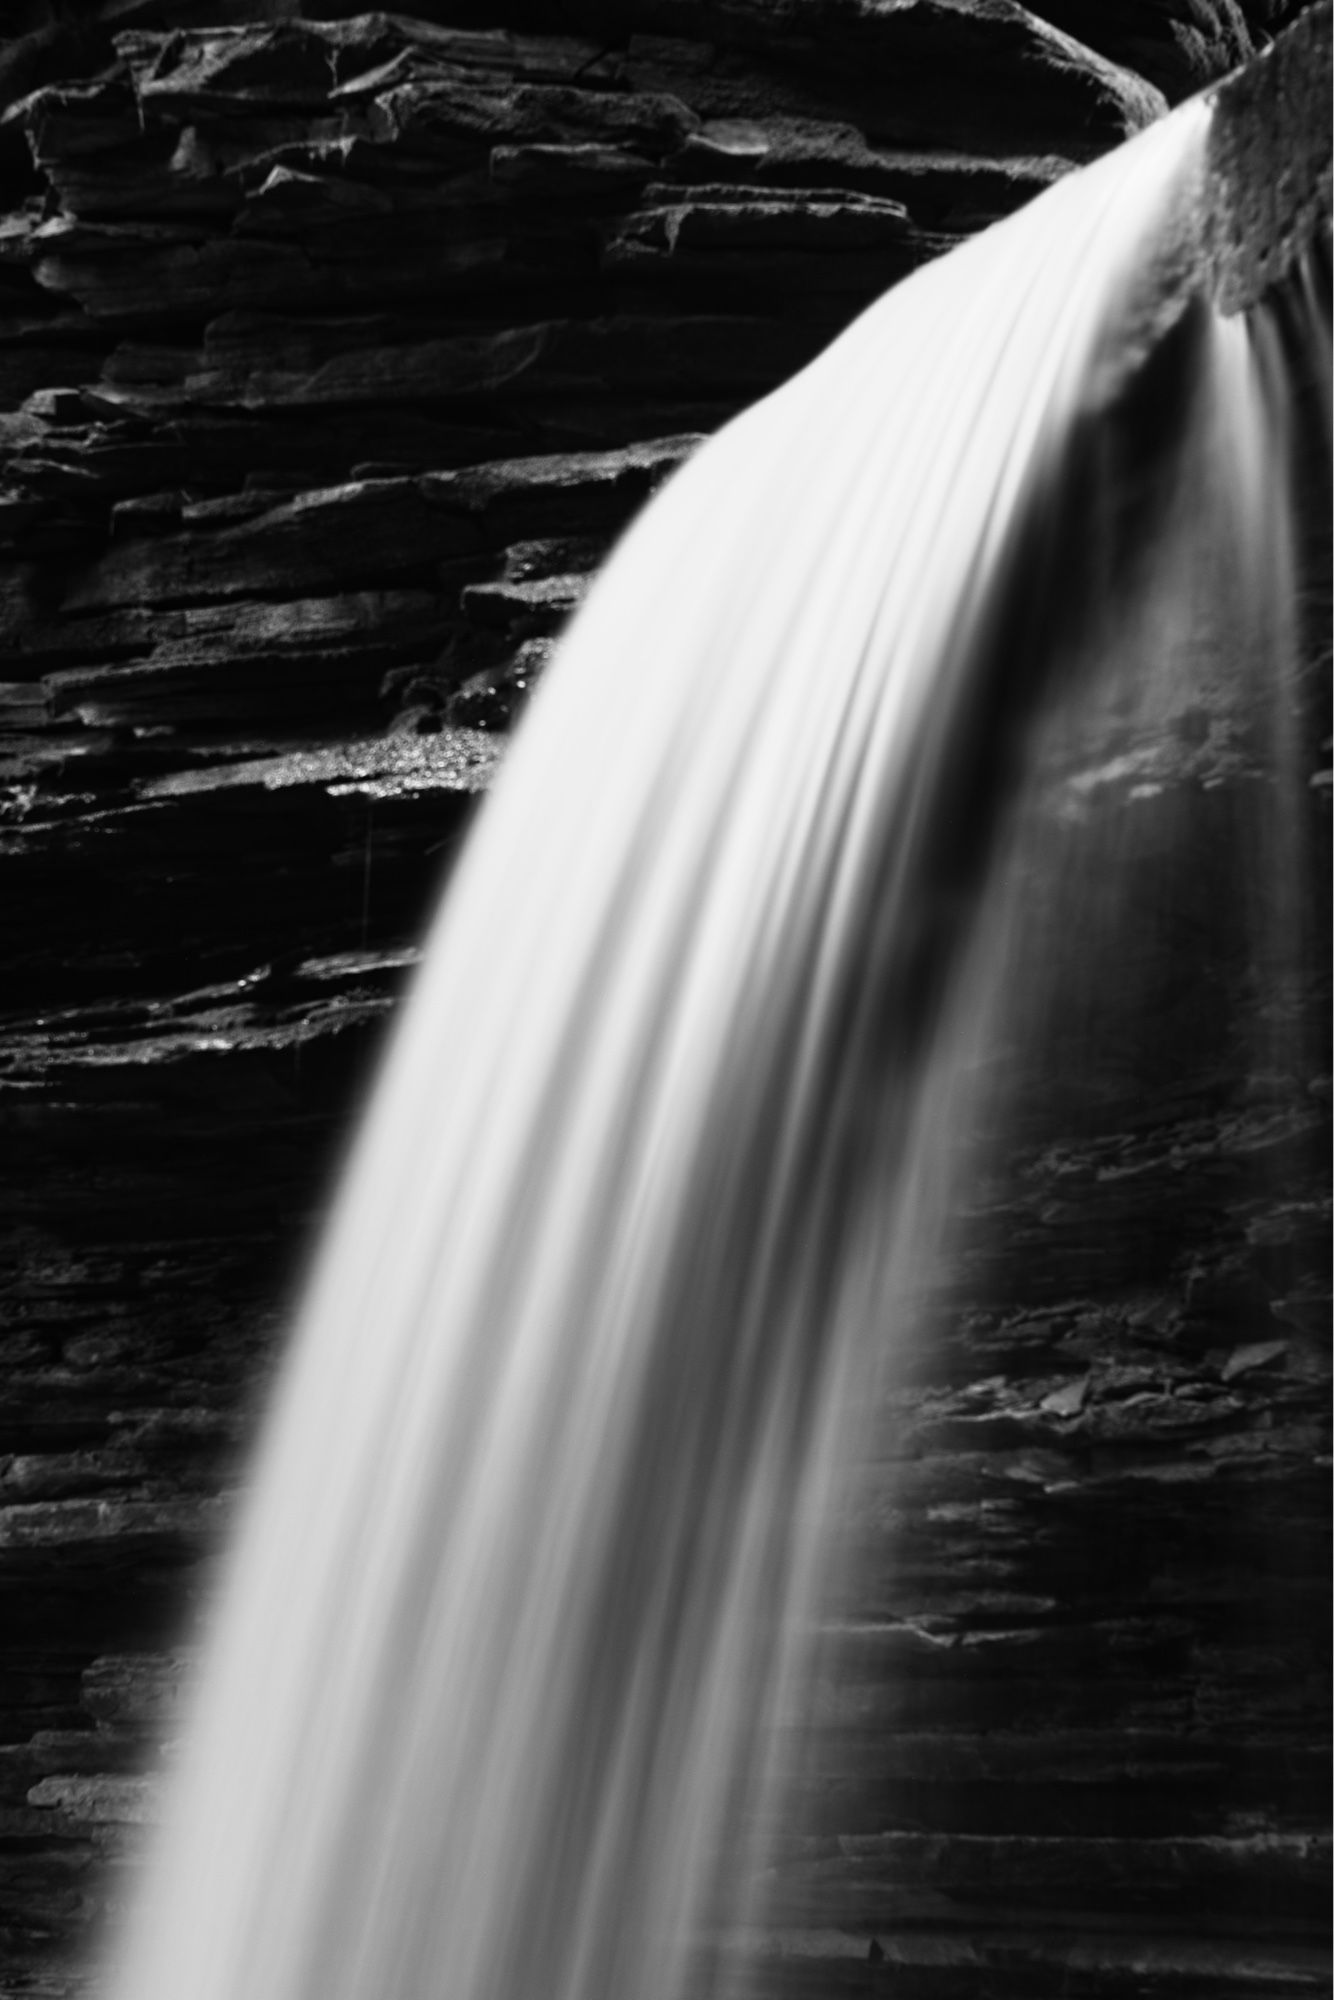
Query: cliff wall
{"x":335,"y":349}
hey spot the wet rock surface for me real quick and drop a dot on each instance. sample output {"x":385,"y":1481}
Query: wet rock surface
{"x":335,"y":351}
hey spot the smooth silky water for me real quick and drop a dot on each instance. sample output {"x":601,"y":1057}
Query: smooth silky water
{"x":671,"y":1129}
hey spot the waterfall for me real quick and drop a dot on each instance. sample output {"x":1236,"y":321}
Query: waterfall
{"x":664,"y":1135}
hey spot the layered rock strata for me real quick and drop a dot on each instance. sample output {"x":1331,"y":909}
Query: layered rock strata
{"x":335,"y":350}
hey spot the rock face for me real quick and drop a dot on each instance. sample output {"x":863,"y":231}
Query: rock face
{"x":335,"y":350}
{"x":1069,"y":1732}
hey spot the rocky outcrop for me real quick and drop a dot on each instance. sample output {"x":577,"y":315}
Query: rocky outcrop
{"x":335,"y":350}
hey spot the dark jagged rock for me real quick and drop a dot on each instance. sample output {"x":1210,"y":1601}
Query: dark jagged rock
{"x":1179,"y":48}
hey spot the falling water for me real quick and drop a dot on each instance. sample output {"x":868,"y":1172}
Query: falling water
{"x":535,"y":1523}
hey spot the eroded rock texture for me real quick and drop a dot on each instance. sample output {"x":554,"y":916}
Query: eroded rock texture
{"x":335,"y":349}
